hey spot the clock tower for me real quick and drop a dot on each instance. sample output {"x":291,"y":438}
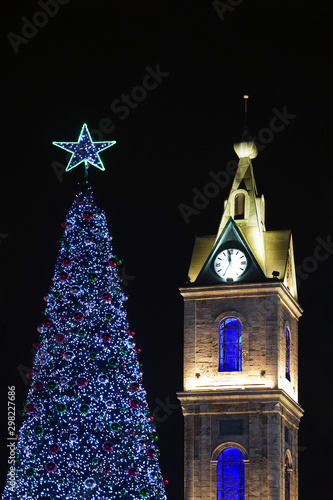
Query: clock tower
{"x":240,"y":396}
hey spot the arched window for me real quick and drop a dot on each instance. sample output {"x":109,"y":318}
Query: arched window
{"x":239,"y":206}
{"x":230,"y":475}
{"x":287,"y":477}
{"x":287,"y":354}
{"x":230,"y":345}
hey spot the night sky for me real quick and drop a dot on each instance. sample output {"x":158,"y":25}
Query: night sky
{"x":88,"y":62}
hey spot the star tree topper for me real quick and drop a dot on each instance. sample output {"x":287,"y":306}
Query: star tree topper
{"x":85,"y":150}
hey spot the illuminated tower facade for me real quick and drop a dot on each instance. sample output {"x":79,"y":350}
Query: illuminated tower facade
{"x":240,"y":396}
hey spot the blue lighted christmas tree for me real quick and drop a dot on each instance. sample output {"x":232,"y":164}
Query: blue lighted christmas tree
{"x":87,"y":432}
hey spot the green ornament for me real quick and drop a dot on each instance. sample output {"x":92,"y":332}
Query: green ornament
{"x":84,"y":409}
{"x":122,"y":492}
{"x":143,"y":492}
{"x":52,"y":385}
{"x":123,"y":350}
{"x":57,"y":295}
{"x":112,"y":362}
{"x":92,"y":355}
{"x":29,"y":490}
{"x":108,"y":316}
{"x":38,"y":430}
{"x":153,"y":436}
{"x":114,"y":426}
{"x":92,"y":277}
{"x":30,"y":472}
{"x":82,"y":333}
{"x":95,"y":460}
{"x":61,"y":408}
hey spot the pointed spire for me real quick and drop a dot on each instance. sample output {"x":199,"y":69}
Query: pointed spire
{"x":246,"y":148}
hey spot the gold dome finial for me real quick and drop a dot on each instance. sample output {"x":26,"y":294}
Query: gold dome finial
{"x":246,"y":148}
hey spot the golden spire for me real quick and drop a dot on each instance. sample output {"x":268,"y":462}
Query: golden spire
{"x":246,"y":148}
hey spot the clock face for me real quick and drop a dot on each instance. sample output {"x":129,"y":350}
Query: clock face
{"x":230,"y":263}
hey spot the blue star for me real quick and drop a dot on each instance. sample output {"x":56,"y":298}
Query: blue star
{"x":84,"y":150}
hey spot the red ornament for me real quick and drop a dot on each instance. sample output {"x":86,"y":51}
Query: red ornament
{"x":107,"y":297}
{"x":134,"y":403}
{"x":132,"y":471}
{"x":150,"y":453}
{"x":29,"y":408}
{"x":51,"y":467}
{"x":54,"y":448}
{"x":60,"y":337}
{"x":82,"y":382}
{"x":165,"y":480}
{"x":66,"y":261}
{"x":63,"y":276}
{"x":37,"y":345}
{"x":112,"y":262}
{"x":130,"y":332}
{"x":138,"y":349}
{"x":106,"y":337}
{"x":38,"y":385}
{"x":47,"y":323}
{"x":87,"y":215}
{"x":134,"y":386}
{"x":78,"y":316}
{"x":107,"y":446}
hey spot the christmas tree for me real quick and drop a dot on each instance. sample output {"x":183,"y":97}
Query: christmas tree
{"x":87,"y":432}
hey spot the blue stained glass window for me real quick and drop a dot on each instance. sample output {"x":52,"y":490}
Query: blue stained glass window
{"x":287,"y":354}
{"x":230,"y":345}
{"x":230,"y":475}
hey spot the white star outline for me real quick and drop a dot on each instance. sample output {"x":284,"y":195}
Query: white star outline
{"x":85,"y":150}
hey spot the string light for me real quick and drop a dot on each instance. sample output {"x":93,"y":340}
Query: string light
{"x":87,"y":430}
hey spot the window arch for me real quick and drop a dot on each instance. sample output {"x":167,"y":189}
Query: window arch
{"x":239,"y":206}
{"x":287,"y":353}
{"x":230,"y":345}
{"x":230,"y":475}
{"x":287,"y":476}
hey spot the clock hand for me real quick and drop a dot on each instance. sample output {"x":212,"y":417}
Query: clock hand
{"x":226,"y":270}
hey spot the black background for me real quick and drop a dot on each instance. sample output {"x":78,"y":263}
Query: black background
{"x":70,"y":72}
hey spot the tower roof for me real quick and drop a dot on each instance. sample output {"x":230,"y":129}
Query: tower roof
{"x":268,"y":254}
